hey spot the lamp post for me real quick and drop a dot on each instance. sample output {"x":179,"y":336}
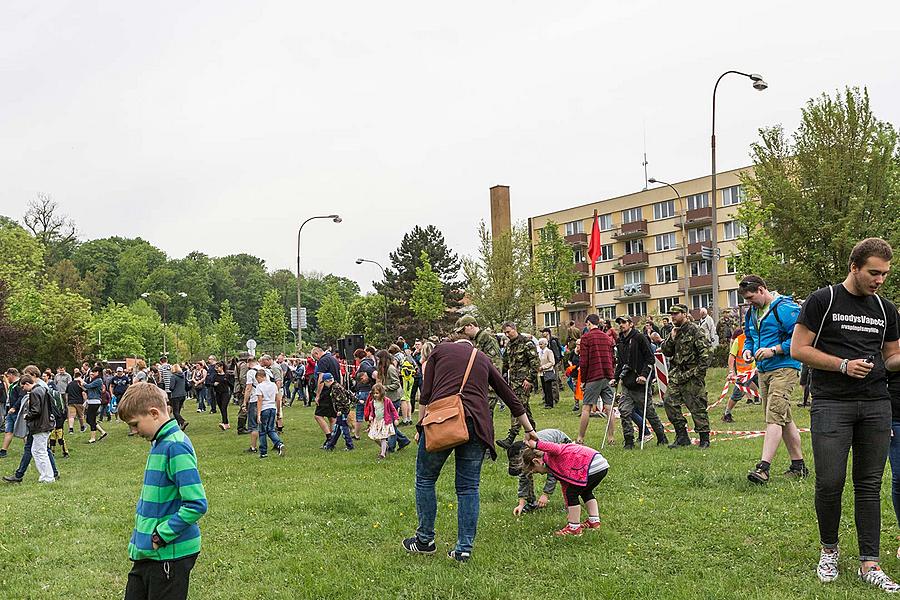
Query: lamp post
{"x":165,"y":303}
{"x":334,"y":218}
{"x":684,"y":245}
{"x":360,"y":261}
{"x":758,"y":84}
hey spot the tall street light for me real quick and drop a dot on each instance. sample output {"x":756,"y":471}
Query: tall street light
{"x":684,"y":245}
{"x":360,"y":261}
{"x":758,"y":84}
{"x":334,"y":218}
{"x":164,"y":297}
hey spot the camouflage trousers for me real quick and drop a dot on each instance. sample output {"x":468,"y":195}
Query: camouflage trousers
{"x":514,"y":425}
{"x":692,"y":394}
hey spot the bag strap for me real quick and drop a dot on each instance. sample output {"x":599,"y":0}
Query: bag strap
{"x":468,"y":370}
{"x":884,"y":314}
{"x":825,"y":316}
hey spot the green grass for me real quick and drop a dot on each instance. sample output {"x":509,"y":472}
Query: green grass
{"x":676,"y":523}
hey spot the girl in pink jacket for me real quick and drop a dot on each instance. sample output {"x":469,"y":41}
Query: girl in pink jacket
{"x":579,"y":469}
{"x":382,"y":418}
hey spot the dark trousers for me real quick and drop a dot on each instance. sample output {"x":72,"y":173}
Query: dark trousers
{"x":26,"y":459}
{"x":177,"y":404}
{"x":417,"y":383}
{"x":341,"y":427}
{"x":91,"y":415}
{"x":837,"y":426}
{"x":222,"y":401}
{"x":551,"y":392}
{"x":151,"y":579}
{"x":398,"y":437}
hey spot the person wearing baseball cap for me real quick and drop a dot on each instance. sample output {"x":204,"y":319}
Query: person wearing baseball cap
{"x":484,"y":341}
{"x":687,"y":349}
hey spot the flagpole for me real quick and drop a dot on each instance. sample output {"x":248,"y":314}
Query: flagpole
{"x":593,"y":272}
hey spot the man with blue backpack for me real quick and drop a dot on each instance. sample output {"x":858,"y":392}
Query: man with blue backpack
{"x":768,"y":327}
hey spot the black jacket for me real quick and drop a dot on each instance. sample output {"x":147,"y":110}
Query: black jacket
{"x":635,"y":358}
{"x":38,"y":416}
{"x":178,"y":386}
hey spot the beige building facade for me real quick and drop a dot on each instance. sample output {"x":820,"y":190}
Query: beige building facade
{"x":652,"y":250}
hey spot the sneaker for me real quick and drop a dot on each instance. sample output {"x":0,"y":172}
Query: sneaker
{"x":349,"y":449}
{"x":875,"y":576}
{"x":199,"y":411}
{"x":402,"y":445}
{"x":628,"y":445}
{"x":83,"y":429}
{"x":250,"y":450}
{"x":590,"y":524}
{"x":576,"y":408}
{"x":71,"y":431}
{"x":414,"y":546}
{"x":758,"y":476}
{"x":102,"y":436}
{"x":65,"y":455}
{"x":801,"y":473}
{"x":2,"y":453}
{"x":827,"y":569}
{"x":459,"y":556}
{"x":532,"y":506}
{"x":264,"y":456}
{"x":727,"y":418}
{"x":570,"y":530}
{"x":281,"y":450}
{"x":12,"y":479}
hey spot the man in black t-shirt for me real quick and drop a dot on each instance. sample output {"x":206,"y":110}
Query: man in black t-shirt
{"x":847,"y":335}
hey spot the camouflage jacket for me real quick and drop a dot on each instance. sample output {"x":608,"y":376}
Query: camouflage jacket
{"x":688,"y":353}
{"x":521,"y":361}
{"x":487,"y":343}
{"x":340,"y":399}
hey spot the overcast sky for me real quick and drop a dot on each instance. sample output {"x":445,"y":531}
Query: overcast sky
{"x":219,"y":126}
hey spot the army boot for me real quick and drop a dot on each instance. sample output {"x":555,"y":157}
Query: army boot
{"x":629,"y":442}
{"x":506,"y":443}
{"x":681,"y":437}
{"x":662,"y":440}
{"x":704,"y":439}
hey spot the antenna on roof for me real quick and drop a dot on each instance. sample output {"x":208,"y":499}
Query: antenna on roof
{"x":645,"y":157}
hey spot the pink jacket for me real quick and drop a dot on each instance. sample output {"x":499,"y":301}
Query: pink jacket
{"x":390,"y":413}
{"x":568,"y":462}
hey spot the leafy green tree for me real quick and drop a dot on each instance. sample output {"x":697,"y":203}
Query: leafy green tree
{"x":57,"y":321}
{"x":501,"y":285}
{"x":189,"y":337}
{"x":365,"y":315}
{"x":116,"y":332}
{"x":332,"y":316}
{"x":12,"y":337}
{"x":427,"y":302}
{"x":244,"y":282}
{"x":830,"y":184}
{"x":65,"y":274}
{"x":757,"y":251}
{"x":272,"y":320}
{"x":23,"y":258}
{"x":133,"y":266}
{"x":228,"y":332}
{"x":554,"y":274}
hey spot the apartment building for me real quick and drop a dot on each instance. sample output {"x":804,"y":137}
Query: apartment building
{"x":652,"y":250}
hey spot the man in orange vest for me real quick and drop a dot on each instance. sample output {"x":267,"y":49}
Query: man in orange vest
{"x":737,"y":365}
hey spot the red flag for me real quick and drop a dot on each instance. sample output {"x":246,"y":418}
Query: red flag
{"x":594,"y":244}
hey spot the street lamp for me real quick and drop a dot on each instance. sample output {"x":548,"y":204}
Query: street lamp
{"x":360,"y":261}
{"x":684,"y":245}
{"x":165,"y":303}
{"x":759,"y":84}
{"x":334,"y":218}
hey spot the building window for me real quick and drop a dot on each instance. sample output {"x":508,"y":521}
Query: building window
{"x":581,"y":286}
{"x":573,"y":227}
{"x":632,"y":214}
{"x":733,"y":298}
{"x":606,"y":283}
{"x":701,"y":234}
{"x":579,"y":316}
{"x":634,"y":246}
{"x":606,"y":252}
{"x":664,"y":210}
{"x":731,"y":265}
{"x":665,"y":241}
{"x":666,"y":303}
{"x":634,"y":277}
{"x":698,"y":201}
{"x":734,"y":230}
{"x":578,"y":256}
{"x":605,"y":222}
{"x":607,"y":312}
{"x":637,"y":309}
{"x":732,"y":195}
{"x":551,"y":319}
{"x":667,"y":274}
{"x":701,"y":300}
{"x":701,"y":267}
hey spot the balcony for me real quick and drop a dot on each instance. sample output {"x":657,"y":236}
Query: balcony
{"x":582,"y":267}
{"x":699,"y":283}
{"x":633,"y":291}
{"x":579,"y":299}
{"x":577,"y":239}
{"x":630,"y":231}
{"x":630,"y":262}
{"x":694,"y":250}
{"x":697,"y":217}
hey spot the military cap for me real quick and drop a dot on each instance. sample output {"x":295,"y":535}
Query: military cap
{"x":623,"y":319}
{"x":463,"y":322}
{"x":678,"y":308}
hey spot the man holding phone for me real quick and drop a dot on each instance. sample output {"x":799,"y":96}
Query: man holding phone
{"x":767,"y":331}
{"x":847,"y":335}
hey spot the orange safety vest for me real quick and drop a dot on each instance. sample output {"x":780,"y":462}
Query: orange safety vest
{"x":740,"y":365}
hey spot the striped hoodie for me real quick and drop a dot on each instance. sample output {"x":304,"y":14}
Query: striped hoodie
{"x":172,"y":499}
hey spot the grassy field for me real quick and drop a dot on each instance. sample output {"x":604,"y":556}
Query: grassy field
{"x":676,"y":523}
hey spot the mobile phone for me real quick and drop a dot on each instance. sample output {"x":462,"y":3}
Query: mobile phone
{"x":870,"y":359}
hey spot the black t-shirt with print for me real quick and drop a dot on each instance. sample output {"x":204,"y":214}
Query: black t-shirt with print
{"x":853,"y":328}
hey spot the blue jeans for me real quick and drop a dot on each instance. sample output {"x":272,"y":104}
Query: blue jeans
{"x":398,"y":437}
{"x":340,"y":427}
{"x":26,"y":459}
{"x":361,"y":408}
{"x":202,"y":396}
{"x":267,"y":430}
{"x":469,"y":457}
{"x":894,"y":455}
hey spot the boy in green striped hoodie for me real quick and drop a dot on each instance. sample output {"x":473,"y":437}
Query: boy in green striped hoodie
{"x":166,"y":539}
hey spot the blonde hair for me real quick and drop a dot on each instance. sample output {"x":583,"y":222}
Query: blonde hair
{"x":139,"y":399}
{"x":140,"y":364}
{"x":176,"y":368}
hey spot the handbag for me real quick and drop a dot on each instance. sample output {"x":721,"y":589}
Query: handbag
{"x":549,"y":375}
{"x":445,"y":419}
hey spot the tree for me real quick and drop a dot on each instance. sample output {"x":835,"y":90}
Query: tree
{"x":118,"y":332}
{"x":365,"y":315}
{"x":244,"y":281}
{"x":833,"y":182}
{"x":23,"y":258}
{"x":55,"y":231}
{"x":554,"y":273}
{"x":57,"y":321}
{"x":65,"y":275}
{"x":12,"y":337}
{"x":133,"y":267}
{"x":332,"y":316}
{"x":427,"y":301}
{"x":501,"y":285}
{"x":228,"y":333}
{"x":272,"y":323}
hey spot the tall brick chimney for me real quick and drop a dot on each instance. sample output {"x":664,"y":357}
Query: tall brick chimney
{"x":500,"y":217}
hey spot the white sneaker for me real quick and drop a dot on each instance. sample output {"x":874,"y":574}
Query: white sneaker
{"x":875,"y":576}
{"x":827,"y":570}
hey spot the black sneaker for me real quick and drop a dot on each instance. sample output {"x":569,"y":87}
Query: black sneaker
{"x":459,"y":556}
{"x":576,"y":408}
{"x":727,"y":418}
{"x":71,"y":431}
{"x":250,"y":450}
{"x":12,"y":479}
{"x":402,"y":445}
{"x":2,"y":453}
{"x":414,"y":546}
{"x":628,"y":445}
{"x":281,"y":450}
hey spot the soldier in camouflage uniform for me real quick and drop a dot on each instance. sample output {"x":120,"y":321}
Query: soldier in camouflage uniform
{"x":728,"y":322}
{"x":687,"y":349}
{"x":521,"y":366}
{"x":487,"y":343}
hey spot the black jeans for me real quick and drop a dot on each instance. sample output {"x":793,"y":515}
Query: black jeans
{"x":177,"y":404}
{"x":91,"y":415}
{"x":150,"y":579}
{"x":837,"y":426}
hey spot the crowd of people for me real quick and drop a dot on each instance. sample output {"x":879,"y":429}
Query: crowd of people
{"x":843,"y":339}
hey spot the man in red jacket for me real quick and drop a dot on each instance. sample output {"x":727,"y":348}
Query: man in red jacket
{"x":597,"y":369}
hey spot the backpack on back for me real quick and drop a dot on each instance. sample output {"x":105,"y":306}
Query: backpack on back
{"x":57,"y":407}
